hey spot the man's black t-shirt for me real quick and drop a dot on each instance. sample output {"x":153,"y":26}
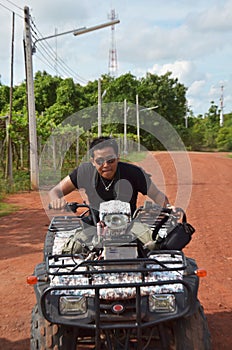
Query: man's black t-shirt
{"x":129,"y":180}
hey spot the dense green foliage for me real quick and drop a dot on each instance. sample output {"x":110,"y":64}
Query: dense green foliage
{"x":57,"y":98}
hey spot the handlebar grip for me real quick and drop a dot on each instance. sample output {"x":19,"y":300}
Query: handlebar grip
{"x":72,"y":206}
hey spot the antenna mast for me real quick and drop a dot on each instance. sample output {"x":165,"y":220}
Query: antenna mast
{"x":113,"y":64}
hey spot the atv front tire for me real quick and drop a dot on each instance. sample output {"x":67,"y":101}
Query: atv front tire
{"x":192,"y":332}
{"x":48,"y":336}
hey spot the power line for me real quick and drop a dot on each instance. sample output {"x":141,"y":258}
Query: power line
{"x":48,"y":64}
{"x":12,"y":3}
{"x":45,"y":60}
{"x":7,"y":8}
{"x":60,"y":63}
{"x":48,"y":50}
{"x":45,"y":54}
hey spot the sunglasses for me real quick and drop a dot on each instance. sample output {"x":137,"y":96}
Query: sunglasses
{"x":101,"y":161}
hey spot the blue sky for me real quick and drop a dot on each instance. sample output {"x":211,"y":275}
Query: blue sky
{"x":189,"y":38}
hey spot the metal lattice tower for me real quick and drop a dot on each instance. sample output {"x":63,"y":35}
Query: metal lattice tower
{"x":113,"y":63}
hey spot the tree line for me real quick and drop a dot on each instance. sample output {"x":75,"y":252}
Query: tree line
{"x":57,"y":98}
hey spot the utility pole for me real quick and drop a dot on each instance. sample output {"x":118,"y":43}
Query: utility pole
{"x":9,"y":158}
{"x":77,"y":145}
{"x":125,"y":126}
{"x":31,"y":103}
{"x":99,"y":116}
{"x":222,"y":107}
{"x":137,"y":121}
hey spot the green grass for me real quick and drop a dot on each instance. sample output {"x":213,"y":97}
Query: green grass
{"x":21,"y":182}
{"x":6,"y":209}
{"x":133,"y":157}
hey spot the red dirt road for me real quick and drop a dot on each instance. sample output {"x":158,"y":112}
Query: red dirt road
{"x":209,"y":211}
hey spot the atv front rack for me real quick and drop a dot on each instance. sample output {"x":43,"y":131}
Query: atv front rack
{"x":69,"y":270}
{"x":72,"y":270}
{"x":108,"y":282}
{"x":65,"y":223}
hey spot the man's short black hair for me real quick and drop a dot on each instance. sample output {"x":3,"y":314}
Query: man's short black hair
{"x":103,"y":142}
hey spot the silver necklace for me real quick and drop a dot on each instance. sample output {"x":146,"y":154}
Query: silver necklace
{"x":106,"y":187}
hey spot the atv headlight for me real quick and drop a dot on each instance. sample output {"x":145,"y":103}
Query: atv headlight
{"x":162,"y":303}
{"x":116,"y":221}
{"x":72,"y":305}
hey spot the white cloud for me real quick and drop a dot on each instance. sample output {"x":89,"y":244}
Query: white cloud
{"x":189,"y":38}
{"x":195,"y":32}
{"x":196,"y":82}
{"x":196,"y":104}
{"x":213,"y":91}
{"x":196,"y":88}
{"x":185,"y":71}
{"x":217,"y":17}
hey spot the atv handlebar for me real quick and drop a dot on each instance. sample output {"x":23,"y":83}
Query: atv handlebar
{"x":74,"y":206}
{"x":148,"y":205}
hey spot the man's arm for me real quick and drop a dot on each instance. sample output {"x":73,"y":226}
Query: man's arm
{"x":157,"y":196}
{"x":58,"y":192}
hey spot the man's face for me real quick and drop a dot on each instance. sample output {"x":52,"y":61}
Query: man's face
{"x":105,"y":160}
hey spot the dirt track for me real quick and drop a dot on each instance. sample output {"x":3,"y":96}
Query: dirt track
{"x":22,"y":235}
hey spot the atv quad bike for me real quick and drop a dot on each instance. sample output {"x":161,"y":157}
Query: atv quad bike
{"x":109,"y":286}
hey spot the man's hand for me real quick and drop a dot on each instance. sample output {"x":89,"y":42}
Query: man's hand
{"x":172,"y":207}
{"x":57,"y":204}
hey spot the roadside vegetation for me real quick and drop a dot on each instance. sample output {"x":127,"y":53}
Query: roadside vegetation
{"x":6,"y":208}
{"x":57,"y":98}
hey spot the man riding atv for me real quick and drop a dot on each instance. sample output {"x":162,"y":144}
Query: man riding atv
{"x":123,"y":282}
{"x":106,"y":178}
